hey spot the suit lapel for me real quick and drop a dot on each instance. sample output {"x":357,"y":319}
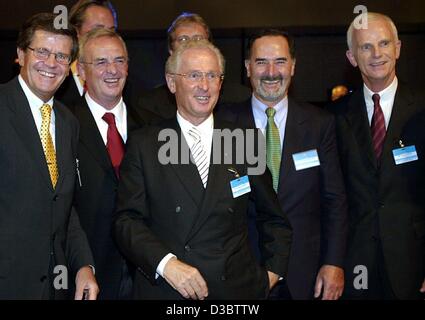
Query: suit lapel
{"x":187,"y":173}
{"x":92,"y":139}
{"x":217,"y":179}
{"x":357,"y":118}
{"x":26,"y":129}
{"x":62,"y":135}
{"x":402,"y":111}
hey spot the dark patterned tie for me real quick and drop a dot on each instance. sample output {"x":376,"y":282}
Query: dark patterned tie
{"x":114,"y":144}
{"x":377,"y":127}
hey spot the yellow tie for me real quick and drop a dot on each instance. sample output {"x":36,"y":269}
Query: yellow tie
{"x":47,"y":142}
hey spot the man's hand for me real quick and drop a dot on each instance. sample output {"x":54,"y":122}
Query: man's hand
{"x":330,"y":279}
{"x":185,"y":279}
{"x":85,"y":280}
{"x":423,"y":287}
{"x":273,"y":279}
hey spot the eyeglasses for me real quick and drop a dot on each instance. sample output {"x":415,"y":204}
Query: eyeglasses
{"x":198,"y":76}
{"x":44,"y":54}
{"x":185,"y":38}
{"x":103,"y":63}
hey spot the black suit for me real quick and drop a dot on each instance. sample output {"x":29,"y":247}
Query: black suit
{"x":386,"y":202}
{"x":314,"y":199}
{"x":164,"y":208}
{"x":68,"y":92}
{"x":95,"y":201}
{"x":39,"y":229}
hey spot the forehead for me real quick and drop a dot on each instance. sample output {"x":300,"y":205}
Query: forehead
{"x":104,"y":46}
{"x":270,"y":47}
{"x":378,"y":29}
{"x":52,"y":41}
{"x":190,"y":29}
{"x":98,"y":14}
{"x":202,"y":59}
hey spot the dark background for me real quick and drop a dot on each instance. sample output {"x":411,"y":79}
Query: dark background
{"x":319,"y":28}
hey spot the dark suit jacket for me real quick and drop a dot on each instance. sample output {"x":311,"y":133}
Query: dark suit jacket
{"x":38,"y":227}
{"x":162,"y":102}
{"x":314,"y":199}
{"x":386,"y":203}
{"x":164,"y":208}
{"x":68,"y":92}
{"x":95,"y":201}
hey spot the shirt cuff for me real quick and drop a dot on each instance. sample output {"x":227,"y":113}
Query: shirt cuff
{"x":161,"y":265}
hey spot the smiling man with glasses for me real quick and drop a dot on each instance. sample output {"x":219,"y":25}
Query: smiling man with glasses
{"x":40,"y":229}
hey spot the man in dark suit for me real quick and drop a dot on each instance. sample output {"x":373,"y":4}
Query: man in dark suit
{"x":312,"y":196}
{"x":187,"y":26}
{"x":381,"y":147}
{"x":183,"y":224}
{"x":84,"y":16}
{"x":103,"y":66}
{"x":40,"y":234}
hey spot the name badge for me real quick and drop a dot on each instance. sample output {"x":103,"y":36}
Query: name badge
{"x":240,"y":186}
{"x":404,"y":155}
{"x":306,"y":159}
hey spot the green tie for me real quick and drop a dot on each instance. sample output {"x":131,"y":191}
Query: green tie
{"x":273,"y":147}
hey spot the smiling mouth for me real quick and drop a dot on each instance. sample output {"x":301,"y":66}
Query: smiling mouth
{"x":378,"y":64}
{"x":46,"y":74}
{"x":202,"y":99}
{"x":112,"y":80}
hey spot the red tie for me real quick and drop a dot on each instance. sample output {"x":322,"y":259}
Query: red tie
{"x":114,"y":144}
{"x":377,"y":127}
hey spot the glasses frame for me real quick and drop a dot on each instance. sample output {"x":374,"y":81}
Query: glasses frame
{"x":220,"y":77}
{"x":107,"y":63}
{"x":36,"y":54}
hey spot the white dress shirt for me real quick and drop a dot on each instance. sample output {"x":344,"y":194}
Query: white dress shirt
{"x":119,"y":111}
{"x":260,"y":116}
{"x":206,"y":129}
{"x":35,"y":104}
{"x":386,"y":101}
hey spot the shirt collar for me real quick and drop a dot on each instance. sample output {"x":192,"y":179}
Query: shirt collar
{"x":205,"y":128}
{"x":385,"y":95}
{"x":98,"y":111}
{"x":34,"y":101}
{"x":259,"y":110}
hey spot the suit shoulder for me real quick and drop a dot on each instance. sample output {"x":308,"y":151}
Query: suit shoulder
{"x":312,"y":110}
{"x":340,"y":106}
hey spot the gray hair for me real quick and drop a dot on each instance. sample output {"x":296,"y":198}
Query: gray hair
{"x":174,"y":60}
{"x":371,"y":16}
{"x":95,"y":34}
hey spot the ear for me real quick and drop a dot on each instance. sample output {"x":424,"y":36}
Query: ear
{"x":21,"y":56}
{"x":351,"y":58}
{"x":81,"y":71}
{"x":171,"y":82}
{"x":248,"y":68}
{"x":398,"y":48}
{"x":294,"y":61}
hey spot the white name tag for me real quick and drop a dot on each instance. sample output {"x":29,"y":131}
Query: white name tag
{"x":404,"y":155}
{"x":306,"y":159}
{"x":240,"y":186}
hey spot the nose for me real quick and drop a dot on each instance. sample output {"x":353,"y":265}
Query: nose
{"x":111,"y":67}
{"x":271,"y":69}
{"x":51,"y":60}
{"x":203,"y":83}
{"x":376,"y":51}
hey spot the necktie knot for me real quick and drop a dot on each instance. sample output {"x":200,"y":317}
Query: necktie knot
{"x":109,"y":118}
{"x":46,"y":111}
{"x":270,"y":112}
{"x":195,"y":134}
{"x":376,"y":98}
